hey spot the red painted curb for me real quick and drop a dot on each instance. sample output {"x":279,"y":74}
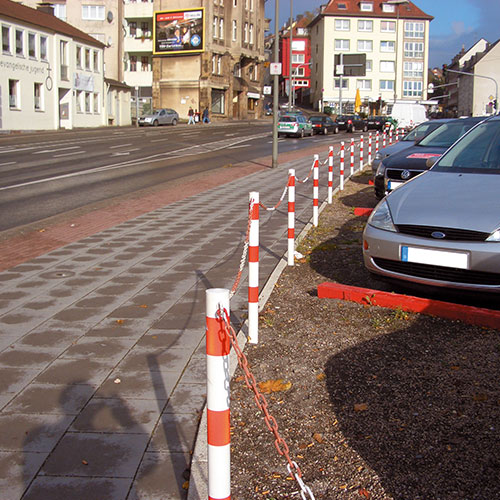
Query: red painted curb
{"x":468,"y":314}
{"x":360,"y":211}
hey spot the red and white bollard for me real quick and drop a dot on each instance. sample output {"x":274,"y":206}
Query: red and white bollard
{"x":377,"y":138}
{"x":291,"y":217}
{"x":253,"y":270}
{"x":361,"y":153}
{"x":370,"y":149}
{"x":384,"y":137}
{"x":330,"y":174}
{"x":316,"y":191}
{"x":352,"y":157}
{"x":397,"y":134}
{"x":342,"y":154}
{"x":218,"y":380}
{"x":390,"y":136}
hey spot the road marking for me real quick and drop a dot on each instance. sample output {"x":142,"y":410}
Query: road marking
{"x":124,"y":153}
{"x":16,"y":150}
{"x":120,"y":146}
{"x":68,"y":154}
{"x":8,"y":163}
{"x":240,"y":146}
{"x":55,"y":150}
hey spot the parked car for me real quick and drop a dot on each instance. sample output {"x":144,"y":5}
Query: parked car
{"x":418,"y":133}
{"x":376,"y":122}
{"x":400,"y":167}
{"x":160,"y":117}
{"x":351,"y":123}
{"x":323,"y":125}
{"x":443,"y":227}
{"x":296,"y":125}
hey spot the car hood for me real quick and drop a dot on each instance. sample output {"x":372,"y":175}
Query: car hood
{"x":413,"y":158}
{"x":446,"y":199}
{"x":396,"y":148}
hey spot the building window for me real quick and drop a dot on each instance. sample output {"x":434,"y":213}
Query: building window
{"x":146,"y":29}
{"x":43,"y":48}
{"x":387,"y":66}
{"x":387,"y":85}
{"x":96,"y":102}
{"x":365,"y":46}
{"x":364,"y":25}
{"x":251,"y":104}
{"x":386,"y":46}
{"x":221,"y":28}
{"x":219,"y":62}
{"x":87,"y":58}
{"x":414,"y":69}
{"x":19,"y":43}
{"x":235,"y":31}
{"x":218,"y":101}
{"x":366,"y":6}
{"x":87,"y":102}
{"x":364,"y":84}
{"x":235,"y":3}
{"x":133,"y":63}
{"x":342,"y":45}
{"x":96,"y":61}
{"x":214,"y":65}
{"x":414,"y":49}
{"x":78,"y":57}
{"x":300,"y":71}
{"x":60,"y":10}
{"x":63,"y":58}
{"x":145,"y":63}
{"x":369,"y":64}
{"x":79,"y":95}
{"x":6,"y":39}
{"x":298,"y":58}
{"x":414,"y":30}
{"x":388,"y":26}
{"x":32,"y":45}
{"x":215,"y":26}
{"x":37,"y":94}
{"x":412,"y":89}
{"x":237,"y":69}
{"x":251,"y":34}
{"x":14,"y":94}
{"x":387,"y":7}
{"x":345,"y":83}
{"x":93,"y":12}
{"x":132,"y":28}
{"x":342,"y":24}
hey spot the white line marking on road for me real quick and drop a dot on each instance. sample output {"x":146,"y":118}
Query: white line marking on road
{"x":8,"y":163}
{"x":120,"y":146}
{"x":68,"y":154}
{"x":119,"y":153}
{"x":240,"y":146}
{"x":55,"y":150}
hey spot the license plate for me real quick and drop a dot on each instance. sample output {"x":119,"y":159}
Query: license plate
{"x":393,"y":184}
{"x":445,"y":258}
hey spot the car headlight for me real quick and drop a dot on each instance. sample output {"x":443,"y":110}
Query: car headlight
{"x":381,"y":217}
{"x":494,"y":236}
{"x":380,"y":169}
{"x":378,"y":156}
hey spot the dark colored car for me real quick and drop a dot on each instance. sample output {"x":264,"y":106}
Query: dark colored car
{"x":324,"y":125}
{"x":376,"y":122}
{"x":351,"y":123}
{"x":400,"y":167}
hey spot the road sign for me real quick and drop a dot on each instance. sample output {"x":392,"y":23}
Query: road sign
{"x":275,"y":69}
{"x":267,"y":90}
{"x":350,"y":64}
{"x":430,"y":88}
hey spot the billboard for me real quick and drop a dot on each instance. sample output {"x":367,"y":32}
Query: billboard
{"x":179,"y":32}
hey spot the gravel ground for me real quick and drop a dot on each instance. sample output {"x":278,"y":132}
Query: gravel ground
{"x":373,"y":403}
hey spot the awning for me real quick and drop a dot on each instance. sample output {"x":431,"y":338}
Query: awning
{"x":253,"y":95}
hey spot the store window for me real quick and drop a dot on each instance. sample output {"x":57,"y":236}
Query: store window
{"x":218,"y":101}
{"x":14,"y":94}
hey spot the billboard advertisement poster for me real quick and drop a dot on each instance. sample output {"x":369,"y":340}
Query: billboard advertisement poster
{"x":179,"y":32}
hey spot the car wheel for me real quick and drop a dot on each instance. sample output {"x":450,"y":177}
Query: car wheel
{"x":301,"y":133}
{"x":174,"y":122}
{"x":336,"y":131}
{"x":155,"y":123}
{"x":325,"y":131}
{"x":353,"y":129}
{"x":365,"y":128}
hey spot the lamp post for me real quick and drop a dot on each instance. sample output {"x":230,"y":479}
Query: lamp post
{"x":274,"y":161}
{"x":397,"y":3}
{"x":290,"y":53}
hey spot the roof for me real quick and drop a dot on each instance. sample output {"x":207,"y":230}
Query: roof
{"x":117,"y":83}
{"x":353,"y":9}
{"x":18,"y":12}
{"x":301,"y":23}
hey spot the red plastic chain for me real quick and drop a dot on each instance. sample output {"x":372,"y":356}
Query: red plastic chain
{"x":236,"y":283}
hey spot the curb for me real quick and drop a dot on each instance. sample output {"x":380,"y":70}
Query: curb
{"x":368,"y":297}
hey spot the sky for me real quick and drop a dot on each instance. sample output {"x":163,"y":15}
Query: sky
{"x":456,"y":22}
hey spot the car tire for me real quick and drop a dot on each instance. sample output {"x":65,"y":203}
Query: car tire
{"x":336,"y":131}
{"x":365,"y":128}
{"x":301,"y":134}
{"x":155,"y":123}
{"x":325,"y":131}
{"x":174,"y":122}
{"x":353,"y":129}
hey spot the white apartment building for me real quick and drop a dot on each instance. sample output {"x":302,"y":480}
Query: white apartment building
{"x":52,"y":74}
{"x":394,"y":35}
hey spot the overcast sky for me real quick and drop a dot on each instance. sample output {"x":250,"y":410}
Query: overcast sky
{"x":456,"y":22}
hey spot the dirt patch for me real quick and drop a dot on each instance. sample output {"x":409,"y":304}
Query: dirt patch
{"x":381,"y":404}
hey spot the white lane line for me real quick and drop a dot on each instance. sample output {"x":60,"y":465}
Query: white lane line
{"x":240,"y":146}
{"x":120,"y":146}
{"x":55,"y":150}
{"x":8,"y":163}
{"x":69,"y":154}
{"x":124,"y":153}
{"x":16,"y":150}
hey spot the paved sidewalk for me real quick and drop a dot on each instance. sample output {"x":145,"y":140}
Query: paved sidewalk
{"x":102,"y":354}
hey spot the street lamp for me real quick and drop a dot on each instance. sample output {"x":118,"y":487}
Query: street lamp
{"x":290,"y":52}
{"x":398,"y":3}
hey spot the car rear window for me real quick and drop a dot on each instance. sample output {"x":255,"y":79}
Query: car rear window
{"x":288,"y":119}
{"x":316,"y":119}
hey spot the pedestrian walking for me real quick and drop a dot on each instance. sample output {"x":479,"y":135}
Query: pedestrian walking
{"x":191,"y":116}
{"x":205,"y":117}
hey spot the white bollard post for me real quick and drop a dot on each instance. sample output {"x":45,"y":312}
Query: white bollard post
{"x":361,"y":153}
{"x":253,"y":271}
{"x":342,"y":154}
{"x":218,"y":397}
{"x":352,"y":157}
{"x":330,"y":174}
{"x":370,"y":149}
{"x":291,"y":217}
{"x":316,"y":191}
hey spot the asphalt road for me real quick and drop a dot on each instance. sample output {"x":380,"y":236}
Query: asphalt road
{"x":50,"y":173}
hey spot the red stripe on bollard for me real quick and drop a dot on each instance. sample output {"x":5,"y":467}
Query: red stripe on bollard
{"x":253,"y":254}
{"x":291,"y":217}
{"x":218,"y":424}
{"x":217,"y":341}
{"x":253,"y":294}
{"x":291,"y":232}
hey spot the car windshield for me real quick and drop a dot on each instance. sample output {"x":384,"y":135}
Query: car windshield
{"x":288,"y":119}
{"x":421,"y":131}
{"x":478,"y":150}
{"x":446,"y":135}
{"x":316,"y":119}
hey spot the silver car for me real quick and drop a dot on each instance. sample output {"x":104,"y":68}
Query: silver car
{"x":160,"y":117}
{"x":442,"y":228}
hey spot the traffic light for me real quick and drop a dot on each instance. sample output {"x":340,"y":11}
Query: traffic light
{"x":495,"y":104}
{"x":445,"y":70}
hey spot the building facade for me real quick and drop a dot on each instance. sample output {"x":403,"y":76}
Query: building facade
{"x":394,"y":35}
{"x":224,"y":72}
{"x":52,"y":73}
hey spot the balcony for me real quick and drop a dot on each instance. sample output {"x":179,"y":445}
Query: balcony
{"x":138,"y":9}
{"x":138,"y":44}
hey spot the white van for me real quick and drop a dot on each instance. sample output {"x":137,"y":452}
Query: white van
{"x":408,"y":115}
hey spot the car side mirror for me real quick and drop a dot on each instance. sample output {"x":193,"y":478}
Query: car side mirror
{"x":430,"y":161}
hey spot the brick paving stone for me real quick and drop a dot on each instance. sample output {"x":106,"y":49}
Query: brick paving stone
{"x":17,"y":469}
{"x":175,"y":433}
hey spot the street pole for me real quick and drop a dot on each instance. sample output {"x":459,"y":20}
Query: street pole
{"x":290,"y":77}
{"x":340,"y":81}
{"x":274,"y":162}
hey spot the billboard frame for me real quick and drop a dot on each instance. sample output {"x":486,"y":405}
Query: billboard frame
{"x":158,"y":13}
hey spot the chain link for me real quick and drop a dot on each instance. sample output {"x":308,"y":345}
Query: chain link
{"x":260,"y":400}
{"x":277,"y":204}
